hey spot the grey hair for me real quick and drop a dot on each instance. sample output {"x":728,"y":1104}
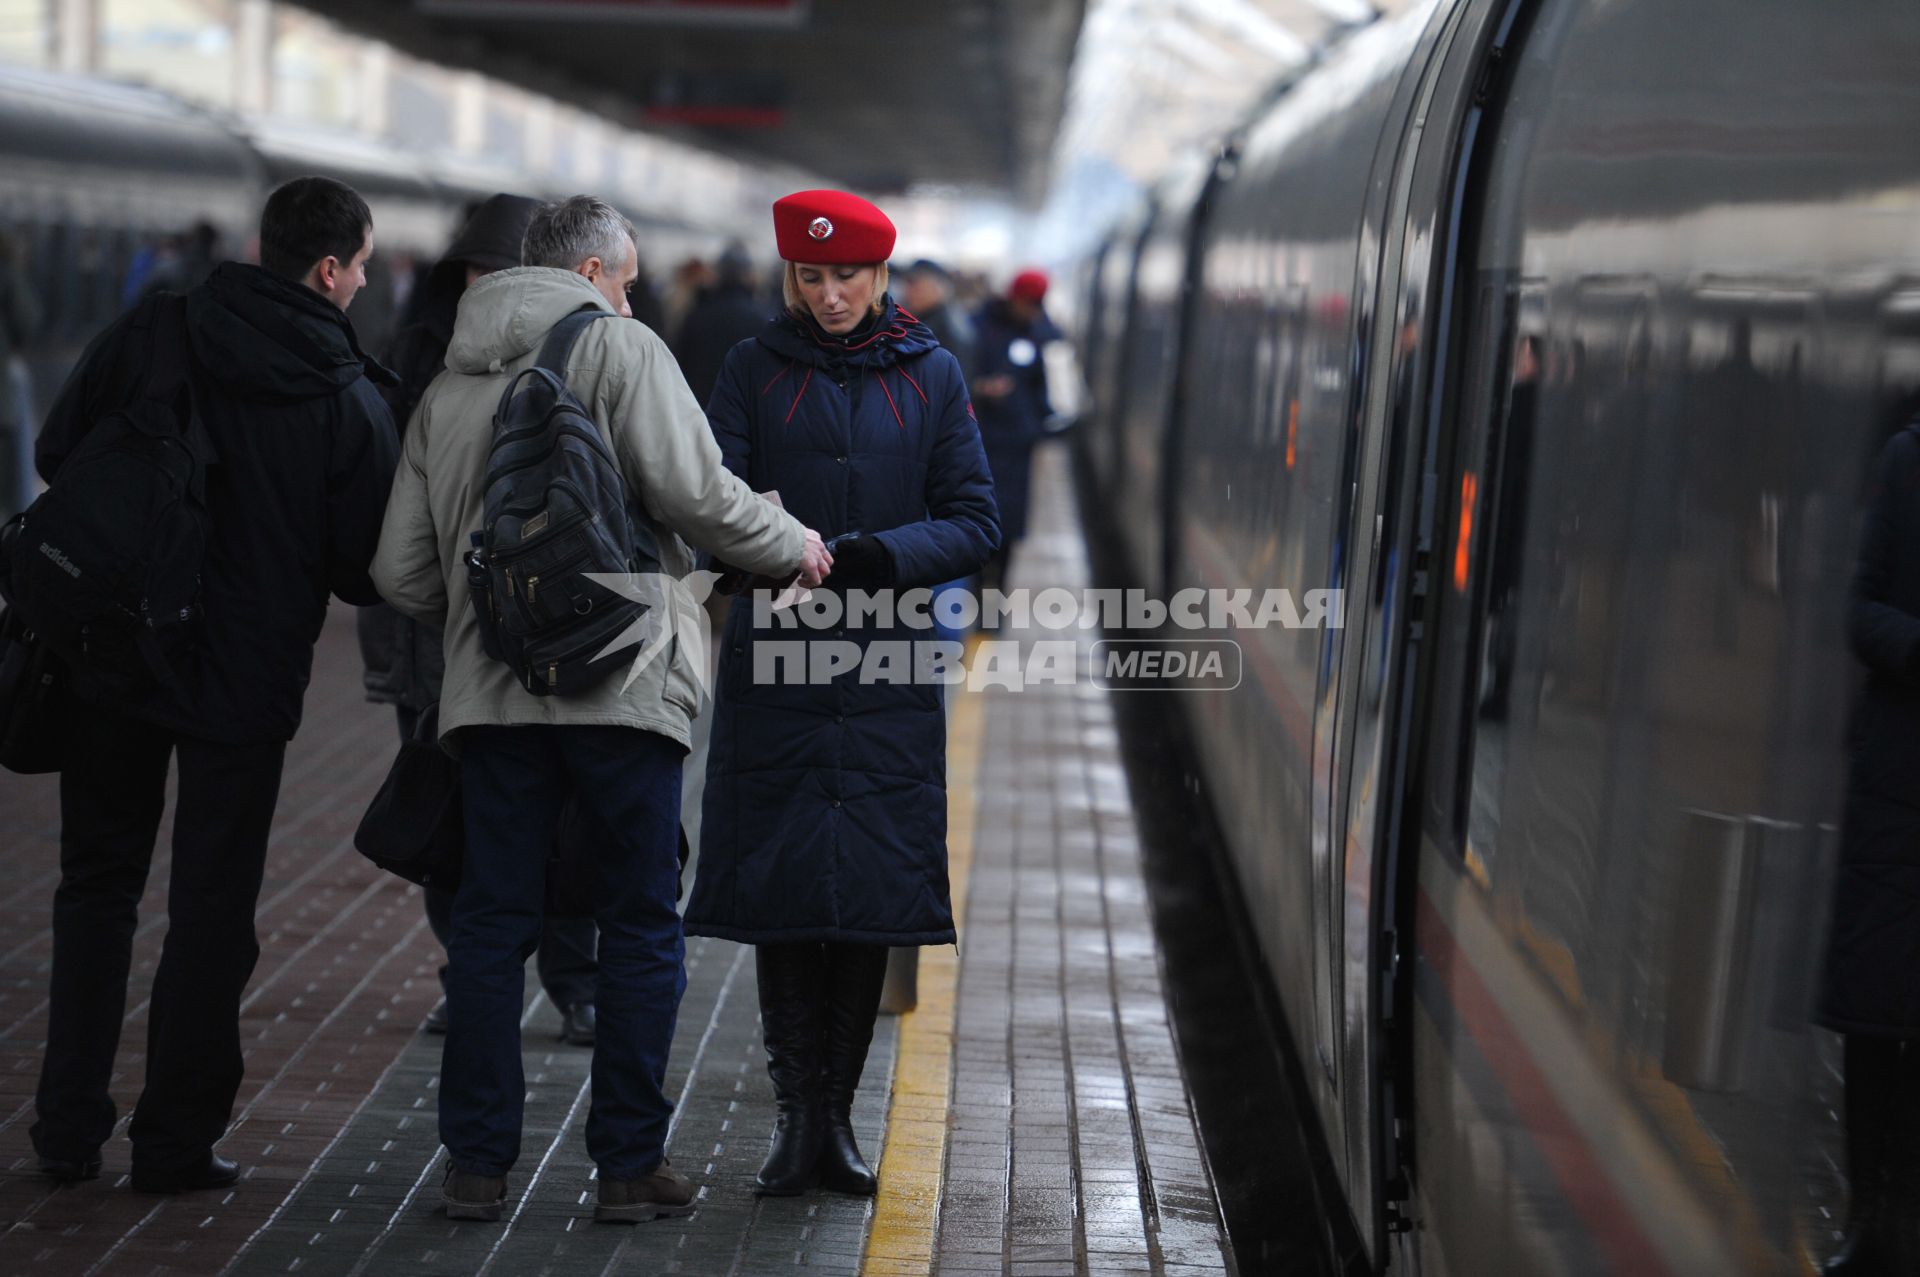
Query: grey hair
{"x":568,"y":232}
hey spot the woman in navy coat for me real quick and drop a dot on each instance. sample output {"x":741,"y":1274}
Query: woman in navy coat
{"x":823,"y":836}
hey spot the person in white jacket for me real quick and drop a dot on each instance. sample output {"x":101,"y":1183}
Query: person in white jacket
{"x":619,"y":745}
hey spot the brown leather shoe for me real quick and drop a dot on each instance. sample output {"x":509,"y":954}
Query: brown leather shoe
{"x":474,"y":1196}
{"x":661,"y":1193}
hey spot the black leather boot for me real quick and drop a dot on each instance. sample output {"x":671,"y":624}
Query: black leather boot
{"x":855,"y":974}
{"x":791,"y":994}
{"x":1872,"y":1068}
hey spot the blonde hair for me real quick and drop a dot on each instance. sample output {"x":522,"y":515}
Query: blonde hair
{"x":797,"y":304}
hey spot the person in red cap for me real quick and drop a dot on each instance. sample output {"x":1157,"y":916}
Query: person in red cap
{"x":1010,"y":378}
{"x":823,"y":836}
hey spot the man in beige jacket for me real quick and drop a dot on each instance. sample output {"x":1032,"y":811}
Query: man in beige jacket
{"x":619,"y":746}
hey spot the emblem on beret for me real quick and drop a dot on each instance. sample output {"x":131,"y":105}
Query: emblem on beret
{"x":820,"y":228}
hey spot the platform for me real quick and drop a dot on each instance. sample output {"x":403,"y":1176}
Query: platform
{"x":1029,"y":1117}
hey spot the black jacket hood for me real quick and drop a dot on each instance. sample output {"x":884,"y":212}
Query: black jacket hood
{"x":268,"y":340}
{"x":491,"y":238}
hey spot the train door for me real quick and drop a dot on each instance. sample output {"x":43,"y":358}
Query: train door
{"x":1360,"y":710}
{"x":1398,"y":559}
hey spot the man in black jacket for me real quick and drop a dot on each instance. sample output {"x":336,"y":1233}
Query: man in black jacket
{"x":306,"y":453}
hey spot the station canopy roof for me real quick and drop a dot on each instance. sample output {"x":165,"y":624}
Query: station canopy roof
{"x":878,"y":95}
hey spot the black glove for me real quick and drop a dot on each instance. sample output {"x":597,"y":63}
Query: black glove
{"x":860,"y":563}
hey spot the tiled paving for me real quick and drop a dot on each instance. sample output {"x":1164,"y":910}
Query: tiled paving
{"x":1073,"y":1147}
{"x":1069,"y":1146}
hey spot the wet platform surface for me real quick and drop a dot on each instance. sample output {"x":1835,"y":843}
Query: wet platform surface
{"x":1029,"y":1117}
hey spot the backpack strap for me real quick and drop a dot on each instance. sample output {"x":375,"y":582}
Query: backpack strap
{"x":167,"y":379}
{"x":560,"y":339}
{"x":169,"y":357}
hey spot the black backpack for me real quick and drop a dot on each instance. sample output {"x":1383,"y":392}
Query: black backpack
{"x":105,"y":566}
{"x":557,"y":509}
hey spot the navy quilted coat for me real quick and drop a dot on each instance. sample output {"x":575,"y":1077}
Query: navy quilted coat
{"x":826,"y":806}
{"x":1872,"y":983}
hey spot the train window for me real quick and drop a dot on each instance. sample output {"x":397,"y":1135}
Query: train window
{"x":1476,"y":565}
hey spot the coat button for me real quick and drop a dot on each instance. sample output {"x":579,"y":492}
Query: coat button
{"x":836,"y":802}
{"x":839,"y":718}
{"x":737,"y":651}
{"x":841,"y":460}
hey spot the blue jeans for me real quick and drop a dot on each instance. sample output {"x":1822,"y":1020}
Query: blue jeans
{"x":566,"y":961}
{"x":515,"y":780}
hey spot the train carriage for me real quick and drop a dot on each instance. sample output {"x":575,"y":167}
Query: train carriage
{"x":1560,"y":337}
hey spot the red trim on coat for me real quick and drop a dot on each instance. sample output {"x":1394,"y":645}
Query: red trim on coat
{"x":798,"y":396}
{"x":891,"y":404}
{"x":776,"y":381}
{"x":916,"y":386}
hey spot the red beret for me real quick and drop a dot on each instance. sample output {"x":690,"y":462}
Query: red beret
{"x":831,"y":227}
{"x":1028,"y":286}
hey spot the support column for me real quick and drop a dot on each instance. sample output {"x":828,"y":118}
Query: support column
{"x":376,"y":88}
{"x":253,"y":57}
{"x":469,"y":113}
{"x":76,"y":35}
{"x":538,"y":157}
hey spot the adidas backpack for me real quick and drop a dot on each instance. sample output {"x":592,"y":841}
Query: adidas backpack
{"x":557,"y":511}
{"x":105,"y":566}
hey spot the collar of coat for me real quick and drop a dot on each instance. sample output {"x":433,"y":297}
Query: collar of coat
{"x":881,"y":342}
{"x":877,"y":348}
{"x":270,"y":340}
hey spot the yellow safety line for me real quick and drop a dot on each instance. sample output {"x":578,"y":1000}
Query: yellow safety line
{"x":906,"y":1214}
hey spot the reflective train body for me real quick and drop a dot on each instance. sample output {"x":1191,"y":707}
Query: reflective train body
{"x":1561,"y":336}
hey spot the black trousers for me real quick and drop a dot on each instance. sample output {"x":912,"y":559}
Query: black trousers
{"x":112,"y":795}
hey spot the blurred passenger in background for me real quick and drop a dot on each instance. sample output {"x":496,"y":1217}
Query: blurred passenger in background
{"x":173,"y":264}
{"x":722,"y":317}
{"x":199,"y":254}
{"x":157,"y":258}
{"x":643,"y":299}
{"x":690,"y":278}
{"x":405,"y":275}
{"x":404,"y":662}
{"x":970,"y":290}
{"x":929,"y":298}
{"x":1010,"y":396}
{"x":19,"y":320}
{"x":305,"y":455}
{"x":1871,"y":992}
